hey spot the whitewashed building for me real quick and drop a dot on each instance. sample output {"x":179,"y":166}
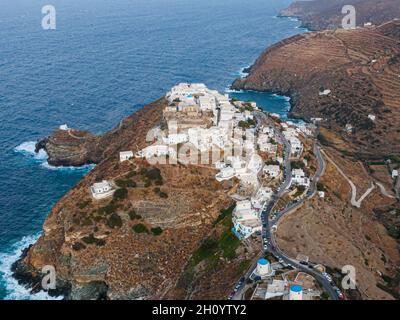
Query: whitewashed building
{"x":226,"y":173}
{"x":177,"y":138}
{"x":272,"y":170}
{"x":246,"y":220}
{"x":207,"y":103}
{"x":156,"y":151}
{"x":261,"y":197}
{"x":125,"y":156}
{"x":101,"y":190}
{"x":299,"y":178}
{"x":296,"y":146}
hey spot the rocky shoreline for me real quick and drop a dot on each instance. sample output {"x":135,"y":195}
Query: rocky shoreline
{"x":33,"y":280}
{"x":82,"y":237}
{"x":362,"y":97}
{"x":320,"y":15}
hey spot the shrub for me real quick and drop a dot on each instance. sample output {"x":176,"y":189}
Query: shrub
{"x":243,"y":124}
{"x":131,"y":174}
{"x":77,"y":246}
{"x":321,"y":187}
{"x":133,"y":215}
{"x":163,"y":195}
{"x":108,"y":209}
{"x":156,"y":231}
{"x":83,"y":204}
{"x":147,"y":183}
{"x":121,"y":194}
{"x":297,"y":164}
{"x":160,"y":193}
{"x":157,"y":190}
{"x":114,"y":221}
{"x":154,"y":174}
{"x":87,"y":221}
{"x":91,"y":239}
{"x":300,"y":191}
{"x":323,"y":140}
{"x":140,"y":228}
{"x":126,"y":183}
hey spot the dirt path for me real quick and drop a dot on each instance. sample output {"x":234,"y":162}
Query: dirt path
{"x":354,"y":202}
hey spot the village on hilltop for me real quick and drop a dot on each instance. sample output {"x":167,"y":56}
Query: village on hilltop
{"x":246,"y":147}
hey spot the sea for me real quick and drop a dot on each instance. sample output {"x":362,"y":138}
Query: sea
{"x":105,"y":60}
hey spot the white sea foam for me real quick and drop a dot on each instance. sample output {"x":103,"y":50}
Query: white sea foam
{"x":85,"y":168}
{"x":242,"y":72}
{"x":28,"y":148}
{"x":14,"y":290}
{"x":229,"y":90}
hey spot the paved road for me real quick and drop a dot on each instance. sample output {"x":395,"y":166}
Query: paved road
{"x":311,"y":191}
{"x":267,"y":232}
{"x":269,"y":235}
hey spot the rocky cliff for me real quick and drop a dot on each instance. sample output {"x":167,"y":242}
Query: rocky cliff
{"x":327,"y":14}
{"x":75,"y":148}
{"x":136,"y":244}
{"x":350,"y":78}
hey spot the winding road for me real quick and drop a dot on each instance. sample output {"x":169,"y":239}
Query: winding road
{"x":269,"y":222}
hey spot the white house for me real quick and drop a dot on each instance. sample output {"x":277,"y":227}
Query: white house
{"x":207,"y":103}
{"x":101,"y":190}
{"x":395,"y":174}
{"x":125,"y":155}
{"x":372,"y":117}
{"x":276,"y":289}
{"x":255,"y":163}
{"x":267,"y":147}
{"x":272,"y":170}
{"x":184,"y":91}
{"x":259,"y":199}
{"x":156,"y":151}
{"x":227,"y":112}
{"x":299,"y":178}
{"x":296,"y":146}
{"x":349,"y":128}
{"x":245,"y":219}
{"x":222,"y":99}
{"x":64,"y":127}
{"x":177,"y":138}
{"x":238,"y":163}
{"x":325,"y":92}
{"x":226,"y":173}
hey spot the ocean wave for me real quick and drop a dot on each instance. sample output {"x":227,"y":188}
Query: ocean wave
{"x":28,"y":148}
{"x":15,"y":291}
{"x":242,"y":72}
{"x":229,"y":90}
{"x":84,"y":168}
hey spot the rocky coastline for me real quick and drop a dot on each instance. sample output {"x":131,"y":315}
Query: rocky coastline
{"x":346,"y":78}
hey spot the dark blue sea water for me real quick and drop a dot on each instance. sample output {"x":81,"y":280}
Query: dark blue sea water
{"x":105,"y":60}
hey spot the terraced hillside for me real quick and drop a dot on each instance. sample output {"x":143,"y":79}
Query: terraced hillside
{"x":361,"y":68}
{"x":327,"y":14}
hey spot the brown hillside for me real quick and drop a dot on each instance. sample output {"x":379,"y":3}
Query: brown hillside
{"x":361,"y":68}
